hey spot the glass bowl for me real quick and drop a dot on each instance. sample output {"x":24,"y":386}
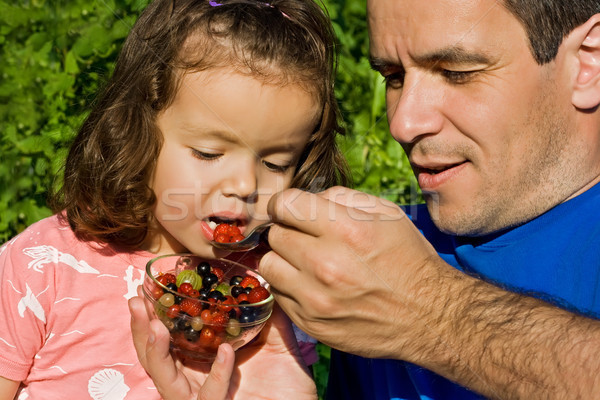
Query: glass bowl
{"x":205,"y":302}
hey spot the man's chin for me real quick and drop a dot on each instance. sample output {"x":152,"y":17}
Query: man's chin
{"x":457,"y":222}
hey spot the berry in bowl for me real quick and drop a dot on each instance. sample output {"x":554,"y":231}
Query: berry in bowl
{"x":204,"y":303}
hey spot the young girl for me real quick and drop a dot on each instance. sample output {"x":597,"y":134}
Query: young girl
{"x":212,"y":108}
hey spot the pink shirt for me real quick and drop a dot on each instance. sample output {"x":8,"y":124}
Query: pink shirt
{"x":64,"y":330}
{"x":65,"y":322}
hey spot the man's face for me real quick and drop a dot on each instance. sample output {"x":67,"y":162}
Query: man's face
{"x":486,"y":128}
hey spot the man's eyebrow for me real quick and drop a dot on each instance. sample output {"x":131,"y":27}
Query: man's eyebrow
{"x":379,"y":64}
{"x":450,"y":55}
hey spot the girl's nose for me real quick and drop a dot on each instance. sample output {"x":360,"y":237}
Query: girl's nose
{"x":241,"y":180}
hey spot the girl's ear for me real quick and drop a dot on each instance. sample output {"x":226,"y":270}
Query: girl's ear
{"x":586,"y":91}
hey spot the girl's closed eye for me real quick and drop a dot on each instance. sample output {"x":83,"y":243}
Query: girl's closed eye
{"x":278,"y":168}
{"x":206,"y":156}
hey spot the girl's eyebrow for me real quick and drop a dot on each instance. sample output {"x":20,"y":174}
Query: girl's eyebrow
{"x":212,"y":133}
{"x":231,"y":137}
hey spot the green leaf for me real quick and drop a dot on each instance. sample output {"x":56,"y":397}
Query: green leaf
{"x":71,"y":66}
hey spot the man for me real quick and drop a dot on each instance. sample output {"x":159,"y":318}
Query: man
{"x":496,"y":105}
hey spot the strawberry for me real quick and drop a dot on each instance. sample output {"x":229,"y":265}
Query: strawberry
{"x":227,"y":303}
{"x":225,"y":233}
{"x":191,"y":307}
{"x":219,"y":321}
{"x":234,"y":230}
{"x":250,"y":281}
{"x":221,"y":229}
{"x":221,"y":238}
{"x":218,"y":272}
{"x":258,"y":294}
{"x":173,"y":311}
{"x":185,"y":288}
{"x":237,"y":238}
{"x":167,"y":278}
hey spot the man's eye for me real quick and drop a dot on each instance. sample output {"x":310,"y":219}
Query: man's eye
{"x":394,"y":80}
{"x":276,"y":168}
{"x":458,"y":76}
{"x":205,"y":156}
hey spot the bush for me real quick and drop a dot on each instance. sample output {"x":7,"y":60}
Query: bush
{"x":54,"y":59}
{"x":57,"y":56}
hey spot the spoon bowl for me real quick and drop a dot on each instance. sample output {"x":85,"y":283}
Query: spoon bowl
{"x":251,"y":241}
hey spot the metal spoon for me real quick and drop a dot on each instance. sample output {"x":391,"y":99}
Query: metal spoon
{"x":248,"y":243}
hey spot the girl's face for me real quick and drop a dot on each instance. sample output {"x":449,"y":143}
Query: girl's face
{"x":230,"y":142}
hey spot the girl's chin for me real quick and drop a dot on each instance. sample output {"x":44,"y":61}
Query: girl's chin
{"x":208,"y":251}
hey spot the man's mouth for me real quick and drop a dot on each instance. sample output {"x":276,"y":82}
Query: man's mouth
{"x":435,"y":170}
{"x":431,"y":177}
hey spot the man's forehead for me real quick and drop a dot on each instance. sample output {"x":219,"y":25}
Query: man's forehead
{"x":425,"y":27}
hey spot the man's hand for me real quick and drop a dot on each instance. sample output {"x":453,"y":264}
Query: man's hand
{"x":348,"y":268}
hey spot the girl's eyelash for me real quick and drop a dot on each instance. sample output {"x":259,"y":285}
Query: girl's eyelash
{"x":201,"y":155}
{"x":205,"y":156}
{"x":276,"y":168}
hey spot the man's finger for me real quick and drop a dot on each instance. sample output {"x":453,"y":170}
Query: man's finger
{"x":362,"y":201}
{"x":279,"y":273}
{"x":304,"y":211}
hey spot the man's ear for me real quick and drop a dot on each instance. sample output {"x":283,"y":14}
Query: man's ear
{"x":586,"y":91}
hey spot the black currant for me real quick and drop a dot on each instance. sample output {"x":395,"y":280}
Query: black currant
{"x":235,"y":280}
{"x":236,"y":290}
{"x":191,"y":334}
{"x":246,"y":317}
{"x":209,"y":280}
{"x":215,"y":294}
{"x":172,"y":286}
{"x":203,"y":268}
{"x":181,"y":323}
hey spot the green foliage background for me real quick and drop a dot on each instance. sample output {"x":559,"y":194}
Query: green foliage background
{"x":56,"y":54}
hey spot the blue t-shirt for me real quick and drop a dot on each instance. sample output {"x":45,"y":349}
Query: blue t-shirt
{"x":555,"y":257}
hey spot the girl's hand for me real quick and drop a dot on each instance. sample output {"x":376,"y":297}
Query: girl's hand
{"x":270,"y":366}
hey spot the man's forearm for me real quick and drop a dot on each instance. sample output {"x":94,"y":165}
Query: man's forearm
{"x":508,"y":346}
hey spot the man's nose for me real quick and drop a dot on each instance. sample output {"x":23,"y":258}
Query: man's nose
{"x":415,"y":110}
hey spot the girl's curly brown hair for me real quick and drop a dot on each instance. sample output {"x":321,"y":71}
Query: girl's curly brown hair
{"x":105,"y":194}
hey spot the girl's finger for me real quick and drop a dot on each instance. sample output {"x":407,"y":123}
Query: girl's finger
{"x":216,"y":385}
{"x":161,"y":366}
{"x":139,"y":327}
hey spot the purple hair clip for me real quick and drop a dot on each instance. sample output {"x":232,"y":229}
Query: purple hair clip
{"x":215,"y":4}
